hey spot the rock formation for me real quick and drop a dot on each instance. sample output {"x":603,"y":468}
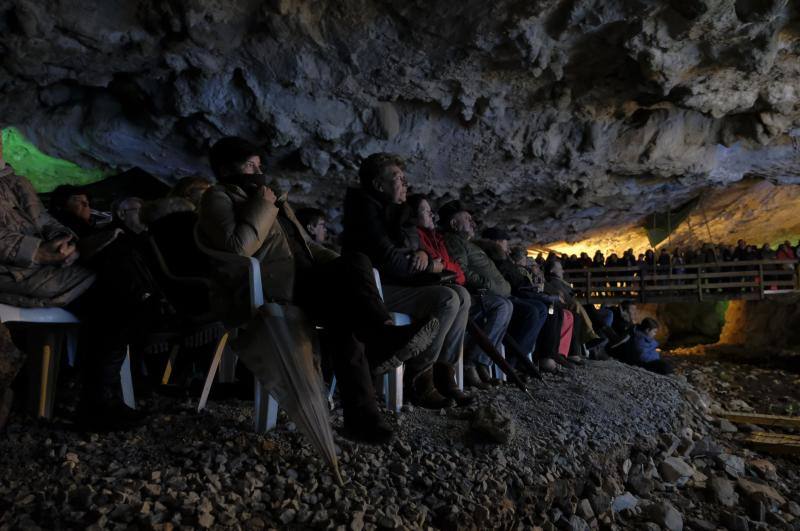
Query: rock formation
{"x":553,"y":117}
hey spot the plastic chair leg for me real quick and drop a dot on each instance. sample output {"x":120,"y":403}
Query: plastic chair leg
{"x":212,"y":371}
{"x":126,"y":379}
{"x":499,"y":374}
{"x":47,"y":382}
{"x":170,"y":365}
{"x":394,"y":389}
{"x":460,"y":368}
{"x":266,"y":409}
{"x":332,"y":389}
{"x":72,"y":347}
{"x":43,"y":375}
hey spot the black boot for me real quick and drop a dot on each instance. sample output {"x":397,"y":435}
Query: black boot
{"x":401,"y":343}
{"x":472,"y":379}
{"x":367,"y":427}
{"x":444,"y":378}
{"x":485,"y":373}
{"x":422,"y":393}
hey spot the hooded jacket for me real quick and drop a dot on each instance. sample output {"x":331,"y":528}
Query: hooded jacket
{"x":24,"y":225}
{"x":234,"y":221}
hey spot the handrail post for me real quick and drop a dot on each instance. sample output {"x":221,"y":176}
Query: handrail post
{"x":700,"y":284}
{"x":761,"y":280}
{"x":588,"y":286}
{"x":642,"y":272}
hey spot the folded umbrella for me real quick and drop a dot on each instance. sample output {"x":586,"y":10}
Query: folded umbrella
{"x":486,"y":344}
{"x":513,"y":348}
{"x":277,"y":347}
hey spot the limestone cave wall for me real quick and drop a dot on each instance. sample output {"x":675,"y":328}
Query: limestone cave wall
{"x":772,"y":324}
{"x":552,"y":117}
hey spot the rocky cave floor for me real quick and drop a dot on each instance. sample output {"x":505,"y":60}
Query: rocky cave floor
{"x":601,"y":446}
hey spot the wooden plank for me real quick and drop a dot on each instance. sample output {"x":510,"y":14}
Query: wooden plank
{"x":676,"y":287}
{"x":721,"y":285}
{"x":758,"y":419}
{"x":775,"y":443}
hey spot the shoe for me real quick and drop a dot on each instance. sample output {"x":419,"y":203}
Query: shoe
{"x":575,"y":360}
{"x":471,"y":379}
{"x":444,"y":379}
{"x":547,"y":365}
{"x":370,"y":429}
{"x":422,"y":393}
{"x":114,"y":416}
{"x":6,"y":399}
{"x":485,"y":374}
{"x":594,"y":344}
{"x":561,"y":360}
{"x":410,"y":341}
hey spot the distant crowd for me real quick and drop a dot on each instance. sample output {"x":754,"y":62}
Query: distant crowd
{"x":706,"y":254}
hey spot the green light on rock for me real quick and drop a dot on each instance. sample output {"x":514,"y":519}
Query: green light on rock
{"x":44,"y":171}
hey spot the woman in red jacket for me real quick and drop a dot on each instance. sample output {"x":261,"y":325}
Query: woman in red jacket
{"x":430,"y":240}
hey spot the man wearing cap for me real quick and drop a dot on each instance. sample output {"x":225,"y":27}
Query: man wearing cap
{"x":491,"y":306}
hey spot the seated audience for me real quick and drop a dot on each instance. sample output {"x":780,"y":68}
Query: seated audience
{"x":584,"y":333}
{"x":431,"y":240}
{"x":191,"y":189}
{"x":524,"y":292}
{"x":127,"y":215}
{"x":313,"y":220}
{"x":645,"y":348}
{"x":491,"y":308}
{"x":244,"y":215}
{"x":39,"y":258}
{"x":71,"y":205}
{"x":373,"y":225}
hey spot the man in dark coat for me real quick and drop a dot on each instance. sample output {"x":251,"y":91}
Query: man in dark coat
{"x":373,"y":225}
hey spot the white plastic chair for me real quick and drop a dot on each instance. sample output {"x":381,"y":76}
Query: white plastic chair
{"x":393,"y":380}
{"x":48,"y":364}
{"x":266,"y":407}
{"x":498,"y":372}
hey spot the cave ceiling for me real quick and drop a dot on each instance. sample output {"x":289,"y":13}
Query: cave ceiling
{"x":554,"y":118}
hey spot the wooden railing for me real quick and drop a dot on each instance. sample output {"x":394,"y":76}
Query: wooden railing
{"x":711,"y":281}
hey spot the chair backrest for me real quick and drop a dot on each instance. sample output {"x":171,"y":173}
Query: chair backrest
{"x":14,"y":314}
{"x":255,"y":288}
{"x":378,"y":285}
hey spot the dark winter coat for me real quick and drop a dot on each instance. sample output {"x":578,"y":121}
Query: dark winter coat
{"x":479,"y":269}
{"x":234,"y":221}
{"x":375,"y":228}
{"x":24,"y":225}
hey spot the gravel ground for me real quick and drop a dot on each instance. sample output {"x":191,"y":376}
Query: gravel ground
{"x":588,"y":452}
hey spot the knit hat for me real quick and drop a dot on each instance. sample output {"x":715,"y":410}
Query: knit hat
{"x":448,"y":210}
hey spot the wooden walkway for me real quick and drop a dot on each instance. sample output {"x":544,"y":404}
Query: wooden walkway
{"x":686,"y":283}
